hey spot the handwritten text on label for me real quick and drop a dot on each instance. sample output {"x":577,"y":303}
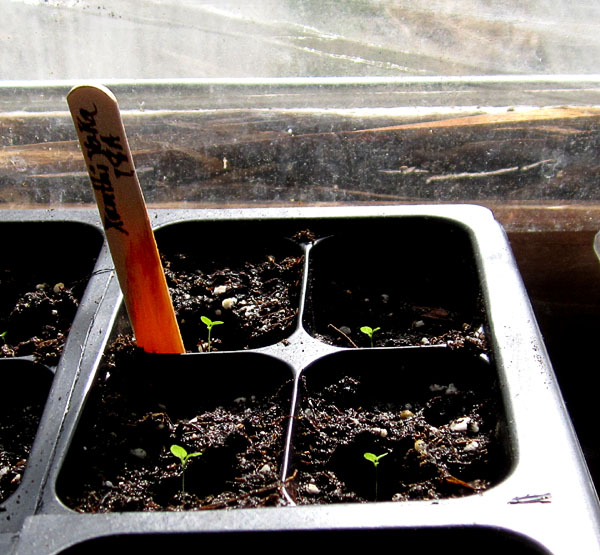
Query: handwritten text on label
{"x":116,"y":164}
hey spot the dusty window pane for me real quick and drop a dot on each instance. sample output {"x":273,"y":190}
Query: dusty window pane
{"x":130,"y":39}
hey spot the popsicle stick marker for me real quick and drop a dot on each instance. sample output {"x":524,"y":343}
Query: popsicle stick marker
{"x":124,"y":215}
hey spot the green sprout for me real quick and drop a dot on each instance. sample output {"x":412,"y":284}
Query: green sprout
{"x":183,"y":457}
{"x":375,"y":460}
{"x":369,"y":331}
{"x":209,"y":324}
{"x":3,"y":336}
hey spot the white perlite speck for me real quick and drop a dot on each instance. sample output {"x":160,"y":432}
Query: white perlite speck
{"x":229,"y":303}
{"x":460,"y":424}
{"x":312,"y":489}
{"x":471,"y":446}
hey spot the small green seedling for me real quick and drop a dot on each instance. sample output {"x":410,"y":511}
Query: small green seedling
{"x":369,"y":331}
{"x":3,"y":336}
{"x":183,"y":457}
{"x":375,"y":460}
{"x":209,"y":324}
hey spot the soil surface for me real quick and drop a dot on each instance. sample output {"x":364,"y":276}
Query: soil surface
{"x":341,"y":306}
{"x":44,"y":270}
{"x":33,"y":323}
{"x":438,"y":441}
{"x":36,"y":321}
{"x":409,"y":326}
{"x":256,"y":299}
{"x":18,"y":427}
{"x":399,"y":279}
{"x":441,"y":444}
{"x":121,"y":458}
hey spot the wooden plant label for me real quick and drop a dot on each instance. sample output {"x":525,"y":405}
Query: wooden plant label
{"x":123,"y":211}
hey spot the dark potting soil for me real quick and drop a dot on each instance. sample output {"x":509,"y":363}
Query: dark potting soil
{"x":18,"y":427}
{"x":415,"y":282}
{"x":121,"y":459}
{"x":23,"y":394}
{"x":256,"y":299}
{"x":437,"y":440}
{"x":44,"y":269}
{"x":35,"y":321}
{"x":409,"y":325}
{"x":443,"y":443}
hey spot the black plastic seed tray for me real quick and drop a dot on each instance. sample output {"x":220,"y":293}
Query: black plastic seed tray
{"x":455,"y":387}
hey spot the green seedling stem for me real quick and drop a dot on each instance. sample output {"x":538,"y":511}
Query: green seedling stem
{"x":183,"y":457}
{"x":375,"y":460}
{"x":369,"y":331}
{"x":209,"y":325}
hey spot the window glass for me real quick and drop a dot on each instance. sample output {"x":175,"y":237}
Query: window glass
{"x":284,"y":102}
{"x":136,"y":39}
